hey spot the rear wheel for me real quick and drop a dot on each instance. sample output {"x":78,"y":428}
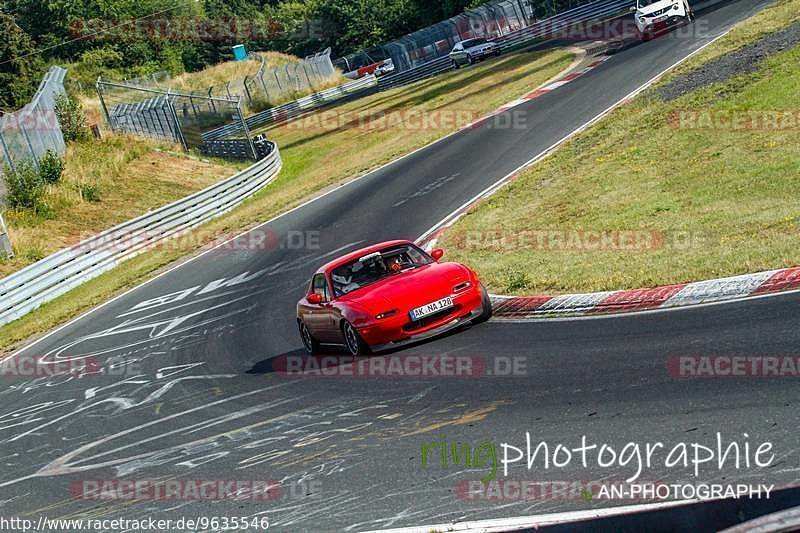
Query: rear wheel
{"x":455,"y":64}
{"x":486,"y":307}
{"x":311,"y":344}
{"x":355,"y":344}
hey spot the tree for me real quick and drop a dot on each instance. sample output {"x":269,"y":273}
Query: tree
{"x":20,"y":66}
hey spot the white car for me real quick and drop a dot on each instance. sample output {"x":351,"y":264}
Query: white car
{"x":468,"y":51}
{"x":652,"y":15}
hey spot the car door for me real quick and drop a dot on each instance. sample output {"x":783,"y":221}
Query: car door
{"x":320,"y":318}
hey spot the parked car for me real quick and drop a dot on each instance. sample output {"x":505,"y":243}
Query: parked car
{"x":388,"y":295}
{"x":471,"y":50}
{"x":654,"y":15}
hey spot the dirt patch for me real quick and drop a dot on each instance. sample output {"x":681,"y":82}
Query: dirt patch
{"x":742,"y":61}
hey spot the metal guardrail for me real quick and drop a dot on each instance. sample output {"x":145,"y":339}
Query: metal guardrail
{"x":26,"y":290}
{"x":28,"y":133}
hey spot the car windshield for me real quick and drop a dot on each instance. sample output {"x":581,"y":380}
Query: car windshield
{"x":374,"y":267}
{"x":645,"y":3}
{"x":474,"y":42}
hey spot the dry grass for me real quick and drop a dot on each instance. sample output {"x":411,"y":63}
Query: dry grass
{"x":130,"y":177}
{"x":218,"y":75}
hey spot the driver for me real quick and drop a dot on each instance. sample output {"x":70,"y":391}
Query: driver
{"x":394,"y":264}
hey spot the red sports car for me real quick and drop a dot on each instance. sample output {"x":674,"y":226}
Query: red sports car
{"x":388,"y":295}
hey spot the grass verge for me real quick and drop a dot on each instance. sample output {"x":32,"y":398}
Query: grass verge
{"x":313,"y":162}
{"x":716,"y":203}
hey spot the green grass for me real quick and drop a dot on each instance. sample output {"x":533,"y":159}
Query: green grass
{"x":314,"y":160}
{"x":736,"y":193}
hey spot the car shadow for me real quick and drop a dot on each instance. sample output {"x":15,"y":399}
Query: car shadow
{"x":296,"y":362}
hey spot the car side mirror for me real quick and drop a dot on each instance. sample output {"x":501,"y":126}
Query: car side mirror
{"x":437,"y":254}
{"x":632,"y":9}
{"x":314,"y":298}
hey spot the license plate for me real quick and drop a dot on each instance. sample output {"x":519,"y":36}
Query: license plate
{"x":431,"y":308}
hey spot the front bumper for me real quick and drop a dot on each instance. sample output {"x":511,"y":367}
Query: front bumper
{"x":399,"y":329}
{"x":439,"y":330}
{"x":670,"y":18}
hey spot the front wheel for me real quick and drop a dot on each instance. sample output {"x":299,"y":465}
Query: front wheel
{"x":469,"y":60}
{"x":355,"y":344}
{"x":455,"y":64}
{"x":311,"y":344}
{"x":486,"y":307}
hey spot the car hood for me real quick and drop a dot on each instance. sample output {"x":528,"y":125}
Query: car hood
{"x":654,"y":8}
{"x":411,"y":289}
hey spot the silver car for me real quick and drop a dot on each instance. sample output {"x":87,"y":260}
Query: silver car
{"x":471,"y":50}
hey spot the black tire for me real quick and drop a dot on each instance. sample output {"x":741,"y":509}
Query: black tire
{"x":469,"y":59}
{"x":311,"y":344}
{"x":455,"y":64}
{"x":353,"y":341}
{"x":498,"y":52}
{"x":646,"y":36}
{"x":486,"y":306}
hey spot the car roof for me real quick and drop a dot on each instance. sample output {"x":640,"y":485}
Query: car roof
{"x":352,"y":256}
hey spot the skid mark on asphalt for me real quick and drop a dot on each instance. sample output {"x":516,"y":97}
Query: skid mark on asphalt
{"x":468,"y":417}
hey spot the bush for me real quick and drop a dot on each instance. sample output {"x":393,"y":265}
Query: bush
{"x":89,"y":192}
{"x":71,"y":118}
{"x":51,"y":166}
{"x":25,"y":187}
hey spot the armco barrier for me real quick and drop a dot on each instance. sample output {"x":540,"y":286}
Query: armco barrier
{"x":26,"y":290}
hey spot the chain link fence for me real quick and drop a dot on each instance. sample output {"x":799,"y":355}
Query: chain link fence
{"x":272,"y":86}
{"x":27,"y":134}
{"x":174,"y":117}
